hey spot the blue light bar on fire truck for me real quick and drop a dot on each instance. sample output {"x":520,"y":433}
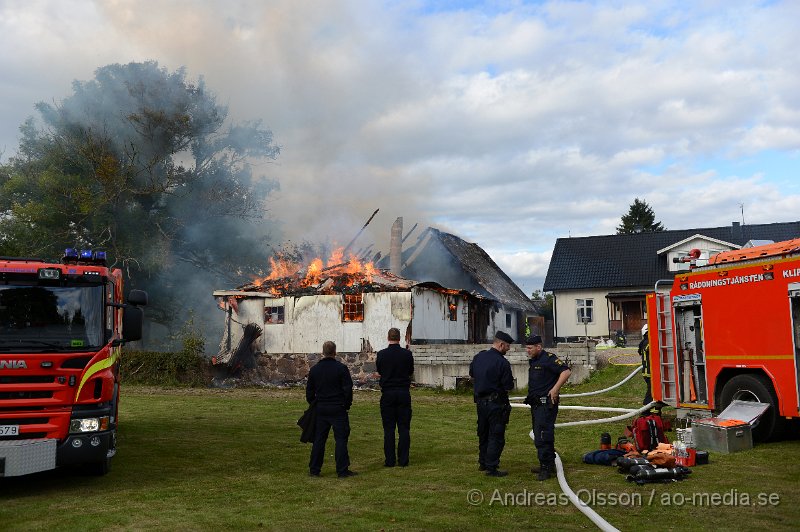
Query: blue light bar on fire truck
{"x":85,"y":256}
{"x":70,"y":255}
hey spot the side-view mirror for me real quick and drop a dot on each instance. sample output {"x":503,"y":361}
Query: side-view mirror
{"x":132,"y":324}
{"x":137,"y":297}
{"x":133,"y":315}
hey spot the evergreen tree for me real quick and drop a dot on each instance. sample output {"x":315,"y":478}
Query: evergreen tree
{"x":640,"y":219}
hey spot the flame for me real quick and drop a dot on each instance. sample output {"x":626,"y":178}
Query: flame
{"x":313,"y":274}
{"x":279,"y":268}
{"x":285,"y":274}
{"x":337,"y":257}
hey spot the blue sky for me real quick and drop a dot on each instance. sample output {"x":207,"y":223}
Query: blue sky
{"x":508,"y":123}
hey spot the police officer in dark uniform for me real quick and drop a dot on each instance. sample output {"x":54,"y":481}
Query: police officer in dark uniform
{"x":546,"y":374}
{"x":396,"y":366}
{"x":491,"y":374}
{"x":644,"y":352}
{"x":330,"y":388}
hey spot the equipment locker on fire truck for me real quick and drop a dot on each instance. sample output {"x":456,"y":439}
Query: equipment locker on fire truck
{"x":730,"y":330}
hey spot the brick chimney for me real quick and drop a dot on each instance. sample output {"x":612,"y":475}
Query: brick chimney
{"x":396,"y":247}
{"x":736,"y":233}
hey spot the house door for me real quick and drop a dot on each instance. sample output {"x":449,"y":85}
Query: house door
{"x":632,"y":317}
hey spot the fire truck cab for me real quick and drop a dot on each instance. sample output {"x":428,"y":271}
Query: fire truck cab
{"x":61,"y":328}
{"x":730,"y":330}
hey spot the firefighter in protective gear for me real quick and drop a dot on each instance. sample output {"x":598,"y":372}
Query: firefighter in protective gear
{"x":644,"y":352}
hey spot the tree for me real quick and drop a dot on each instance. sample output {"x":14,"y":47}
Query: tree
{"x":141,"y":162}
{"x":544,"y":303}
{"x":640,"y":219}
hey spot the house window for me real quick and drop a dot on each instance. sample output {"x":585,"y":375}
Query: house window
{"x":585,"y":310}
{"x":508,"y":320}
{"x":273,"y":314}
{"x":352,"y":307}
{"x":452,"y":308}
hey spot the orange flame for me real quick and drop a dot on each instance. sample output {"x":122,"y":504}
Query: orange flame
{"x":353,"y":271}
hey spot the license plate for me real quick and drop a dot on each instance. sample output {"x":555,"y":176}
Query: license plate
{"x":9,"y":430}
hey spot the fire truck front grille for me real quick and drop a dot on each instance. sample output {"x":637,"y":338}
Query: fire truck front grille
{"x":24,"y":422}
{"x":26,"y":395}
{"x":76,"y":363}
{"x":27,"y":379}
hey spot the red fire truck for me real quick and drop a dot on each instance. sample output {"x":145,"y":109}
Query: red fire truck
{"x":61,"y":328}
{"x":729,"y":330}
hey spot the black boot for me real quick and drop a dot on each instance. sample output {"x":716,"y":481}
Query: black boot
{"x":545,"y":472}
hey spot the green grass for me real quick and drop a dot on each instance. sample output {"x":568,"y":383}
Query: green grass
{"x":207,"y":459}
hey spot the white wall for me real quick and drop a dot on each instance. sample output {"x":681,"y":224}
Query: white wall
{"x":707,"y":250}
{"x":567,"y":313}
{"x":311,"y":320}
{"x":431,"y":320}
{"x":497,"y":322}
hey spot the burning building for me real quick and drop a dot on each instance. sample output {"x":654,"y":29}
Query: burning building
{"x":458,"y":296}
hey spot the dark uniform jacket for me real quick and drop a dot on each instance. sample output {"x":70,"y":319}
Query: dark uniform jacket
{"x":644,"y":352}
{"x":329,"y":383}
{"x":543,"y":373}
{"x":491,"y":373}
{"x":396,"y":366}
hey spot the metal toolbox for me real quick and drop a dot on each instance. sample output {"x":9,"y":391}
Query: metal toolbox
{"x":729,"y":432}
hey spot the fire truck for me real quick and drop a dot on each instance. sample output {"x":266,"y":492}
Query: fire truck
{"x":62,"y":325}
{"x":730,"y":330}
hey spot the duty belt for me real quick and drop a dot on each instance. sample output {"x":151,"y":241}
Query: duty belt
{"x":494,"y":397}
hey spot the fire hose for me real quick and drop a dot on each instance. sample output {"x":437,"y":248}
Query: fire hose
{"x":593,"y":516}
{"x":596,"y":392}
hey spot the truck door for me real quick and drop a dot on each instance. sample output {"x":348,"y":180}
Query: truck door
{"x":794,"y":302}
{"x":690,"y":355}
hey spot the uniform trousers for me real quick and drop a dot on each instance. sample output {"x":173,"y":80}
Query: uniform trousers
{"x":543,"y":419}
{"x":330,"y":416}
{"x":648,"y":397}
{"x":396,"y":413}
{"x":492,"y":420}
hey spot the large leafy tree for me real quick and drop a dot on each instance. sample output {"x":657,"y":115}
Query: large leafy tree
{"x":142,"y":162}
{"x":639,"y":219}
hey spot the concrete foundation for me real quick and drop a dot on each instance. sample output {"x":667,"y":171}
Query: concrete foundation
{"x":442,"y":365}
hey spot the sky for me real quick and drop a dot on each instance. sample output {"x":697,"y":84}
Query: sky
{"x":508,"y":123}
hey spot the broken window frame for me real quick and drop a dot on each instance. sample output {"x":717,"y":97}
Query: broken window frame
{"x":352,"y":308}
{"x":452,"y":308}
{"x":270,"y":310}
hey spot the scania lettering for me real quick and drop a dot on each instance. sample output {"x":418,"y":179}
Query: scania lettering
{"x":731,"y":330}
{"x":62,"y":325}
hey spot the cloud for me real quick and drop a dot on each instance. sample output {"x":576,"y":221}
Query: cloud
{"x":508,"y":123}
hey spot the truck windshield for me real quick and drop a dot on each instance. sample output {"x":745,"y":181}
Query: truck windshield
{"x":44,"y":318}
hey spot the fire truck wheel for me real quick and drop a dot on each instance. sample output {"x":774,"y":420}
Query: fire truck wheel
{"x":755,"y":388}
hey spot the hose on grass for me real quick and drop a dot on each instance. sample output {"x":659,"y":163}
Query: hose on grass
{"x":596,"y":392}
{"x":593,"y":516}
{"x":625,"y":413}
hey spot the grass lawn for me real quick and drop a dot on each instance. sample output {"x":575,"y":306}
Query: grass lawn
{"x":206,"y":459}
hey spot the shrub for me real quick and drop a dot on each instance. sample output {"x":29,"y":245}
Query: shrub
{"x":187,"y":367}
{"x":164,"y":368}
